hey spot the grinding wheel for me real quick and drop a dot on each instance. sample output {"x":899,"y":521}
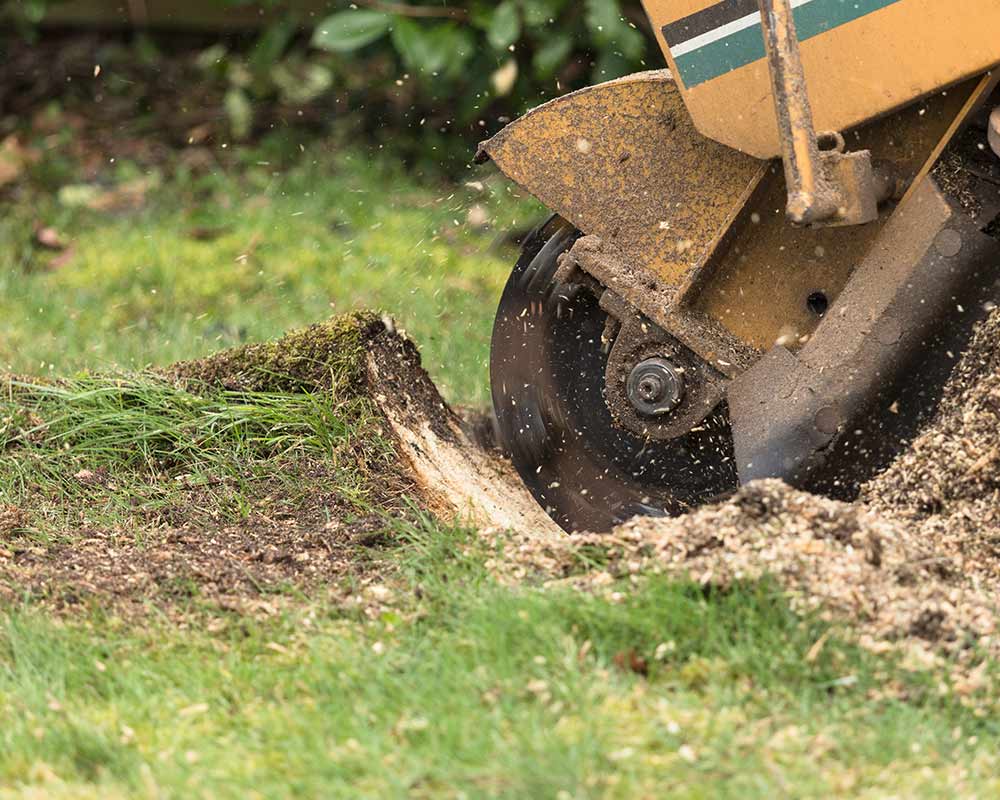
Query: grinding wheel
{"x":547,"y":366}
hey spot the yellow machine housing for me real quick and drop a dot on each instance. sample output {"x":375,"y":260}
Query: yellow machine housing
{"x":862,"y":59}
{"x":697,"y":314}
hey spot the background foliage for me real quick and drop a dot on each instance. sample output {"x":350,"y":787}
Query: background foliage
{"x":462,"y":68}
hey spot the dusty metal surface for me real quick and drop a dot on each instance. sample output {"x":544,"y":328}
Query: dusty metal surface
{"x":759,"y":283}
{"x":862,"y":59}
{"x":699,"y":332}
{"x":623,"y":161}
{"x":831,"y":415}
{"x":829,"y":187}
{"x":739,"y":286}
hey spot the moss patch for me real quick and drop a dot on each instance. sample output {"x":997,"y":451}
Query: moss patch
{"x":317,"y":358}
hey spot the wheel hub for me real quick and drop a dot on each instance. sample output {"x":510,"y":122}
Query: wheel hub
{"x":655,"y":387}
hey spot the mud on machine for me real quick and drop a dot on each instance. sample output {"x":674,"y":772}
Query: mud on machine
{"x":763,"y":261}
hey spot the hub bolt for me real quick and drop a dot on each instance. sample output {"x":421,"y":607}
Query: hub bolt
{"x":655,"y":387}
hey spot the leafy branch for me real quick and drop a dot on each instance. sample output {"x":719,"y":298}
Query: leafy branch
{"x":416,"y":12}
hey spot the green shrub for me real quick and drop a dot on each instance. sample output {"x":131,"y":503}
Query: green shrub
{"x":446,"y":72}
{"x":511,"y":48}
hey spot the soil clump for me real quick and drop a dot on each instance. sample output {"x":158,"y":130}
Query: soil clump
{"x":415,"y":449}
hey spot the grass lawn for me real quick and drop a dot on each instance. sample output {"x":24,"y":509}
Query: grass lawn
{"x":476,"y":690}
{"x":440,"y":682}
{"x":271,"y":238}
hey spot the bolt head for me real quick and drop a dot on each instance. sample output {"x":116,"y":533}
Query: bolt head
{"x":655,"y":387}
{"x":651,"y":388}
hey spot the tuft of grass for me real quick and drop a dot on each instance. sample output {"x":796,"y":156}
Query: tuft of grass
{"x":113,"y":451}
{"x":454,"y":686}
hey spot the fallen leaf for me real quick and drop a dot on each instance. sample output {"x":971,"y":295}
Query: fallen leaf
{"x":62,"y":259}
{"x":631,"y":661}
{"x":817,"y":648}
{"x":504,"y":78}
{"x":129,"y":196}
{"x":12,"y":519}
{"x":207,"y":234}
{"x":14,"y":158}
{"x":478,"y":216}
{"x":49,"y":238}
{"x":199,"y":133}
{"x":687,"y":753}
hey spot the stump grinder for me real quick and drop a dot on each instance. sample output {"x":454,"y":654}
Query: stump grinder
{"x":763,"y":262}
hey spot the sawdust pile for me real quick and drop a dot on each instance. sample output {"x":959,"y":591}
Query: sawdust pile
{"x":915,"y":562}
{"x":842,"y":561}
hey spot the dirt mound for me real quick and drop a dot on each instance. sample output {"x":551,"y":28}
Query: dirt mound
{"x":408,"y":446}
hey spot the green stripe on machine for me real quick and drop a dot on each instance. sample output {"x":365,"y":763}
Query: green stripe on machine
{"x":744,"y":46}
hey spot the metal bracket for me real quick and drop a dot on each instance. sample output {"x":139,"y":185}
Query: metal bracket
{"x":826,"y":186}
{"x":639,"y":339}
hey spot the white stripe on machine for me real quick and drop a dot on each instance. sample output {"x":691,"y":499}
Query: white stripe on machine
{"x":723,"y":31}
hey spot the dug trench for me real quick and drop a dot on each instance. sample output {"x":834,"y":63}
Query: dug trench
{"x":148,"y":522}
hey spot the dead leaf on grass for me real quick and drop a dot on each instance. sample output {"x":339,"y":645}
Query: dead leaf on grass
{"x":631,"y":661}
{"x":128,"y":196}
{"x":199,"y":133}
{"x":49,"y":238}
{"x":14,"y":159}
{"x":248,"y":251}
{"x":817,"y":648}
{"x":12,"y":519}
{"x":62,"y":259}
{"x":207,"y":234}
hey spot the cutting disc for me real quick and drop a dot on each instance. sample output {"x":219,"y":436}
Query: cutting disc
{"x":547,"y":368}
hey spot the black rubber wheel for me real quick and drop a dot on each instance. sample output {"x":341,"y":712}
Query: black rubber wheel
{"x":547,"y":371}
